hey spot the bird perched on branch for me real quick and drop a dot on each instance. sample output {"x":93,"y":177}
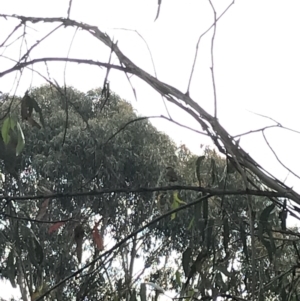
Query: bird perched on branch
{"x":171,"y":174}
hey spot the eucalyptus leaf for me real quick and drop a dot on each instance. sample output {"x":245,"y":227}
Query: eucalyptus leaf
{"x":11,"y":268}
{"x":225,"y":233}
{"x":21,"y":140}
{"x":209,"y":236}
{"x":178,"y":278}
{"x":186,"y":260}
{"x":6,"y":126}
{"x":191,"y":224}
{"x":198,"y":168}
{"x":244,"y":239}
{"x":174,"y":205}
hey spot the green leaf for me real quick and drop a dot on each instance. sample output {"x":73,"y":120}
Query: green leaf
{"x":35,"y":250}
{"x":190,"y":294}
{"x":191,"y":224}
{"x":266,"y":213}
{"x":205,"y":210}
{"x":175,"y":205}
{"x":209,"y":231}
{"x":6,"y":126}
{"x":264,"y":226}
{"x":223,"y":269}
{"x":198,"y":165}
{"x":272,"y":242}
{"x":186,"y":259}
{"x":213,"y":171}
{"x":283,"y":216}
{"x":205,"y":216}
{"x":133,"y":295}
{"x":178,"y":200}
{"x":178,"y":277}
{"x":219,"y":282}
{"x":244,"y":239}
{"x":198,"y":210}
{"x":225,"y":233}
{"x":21,"y":140}
{"x":11,"y":269}
{"x":230,"y":167}
{"x":143,"y":292}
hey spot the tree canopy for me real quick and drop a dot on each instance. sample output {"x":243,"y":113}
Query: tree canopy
{"x":97,"y":204}
{"x":85,"y":145}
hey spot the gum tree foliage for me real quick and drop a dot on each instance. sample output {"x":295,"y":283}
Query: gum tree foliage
{"x":213,"y":239}
{"x":236,"y":246}
{"x":214,"y":233}
{"x":207,"y":241}
{"x":61,"y":159}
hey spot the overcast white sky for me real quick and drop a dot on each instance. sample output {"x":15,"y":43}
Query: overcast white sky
{"x":257,"y":62}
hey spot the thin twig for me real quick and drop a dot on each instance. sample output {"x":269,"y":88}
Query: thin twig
{"x":57,"y":59}
{"x":199,"y":39}
{"x":152,"y":60}
{"x":127,"y":190}
{"x":274,"y":153}
{"x":264,"y":116}
{"x":38,"y":42}
{"x":211,"y":125}
{"x":69,"y":9}
{"x":212,"y":59}
{"x":13,"y":31}
{"x":147,"y":45}
{"x":256,"y":131}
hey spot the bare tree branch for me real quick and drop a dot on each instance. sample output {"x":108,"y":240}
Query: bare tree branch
{"x":152,"y":60}
{"x":19,"y":66}
{"x":276,"y":156}
{"x":218,"y":134}
{"x":13,"y":31}
{"x":212,"y":59}
{"x":197,"y":45}
{"x":210,"y":191}
{"x":69,"y":9}
{"x":25,"y":56}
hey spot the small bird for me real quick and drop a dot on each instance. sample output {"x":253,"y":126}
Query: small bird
{"x":171,"y":174}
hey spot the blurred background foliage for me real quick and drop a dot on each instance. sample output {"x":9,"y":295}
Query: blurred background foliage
{"x":89,"y":142}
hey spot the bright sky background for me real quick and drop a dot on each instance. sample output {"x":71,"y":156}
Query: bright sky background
{"x":257,"y":63}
